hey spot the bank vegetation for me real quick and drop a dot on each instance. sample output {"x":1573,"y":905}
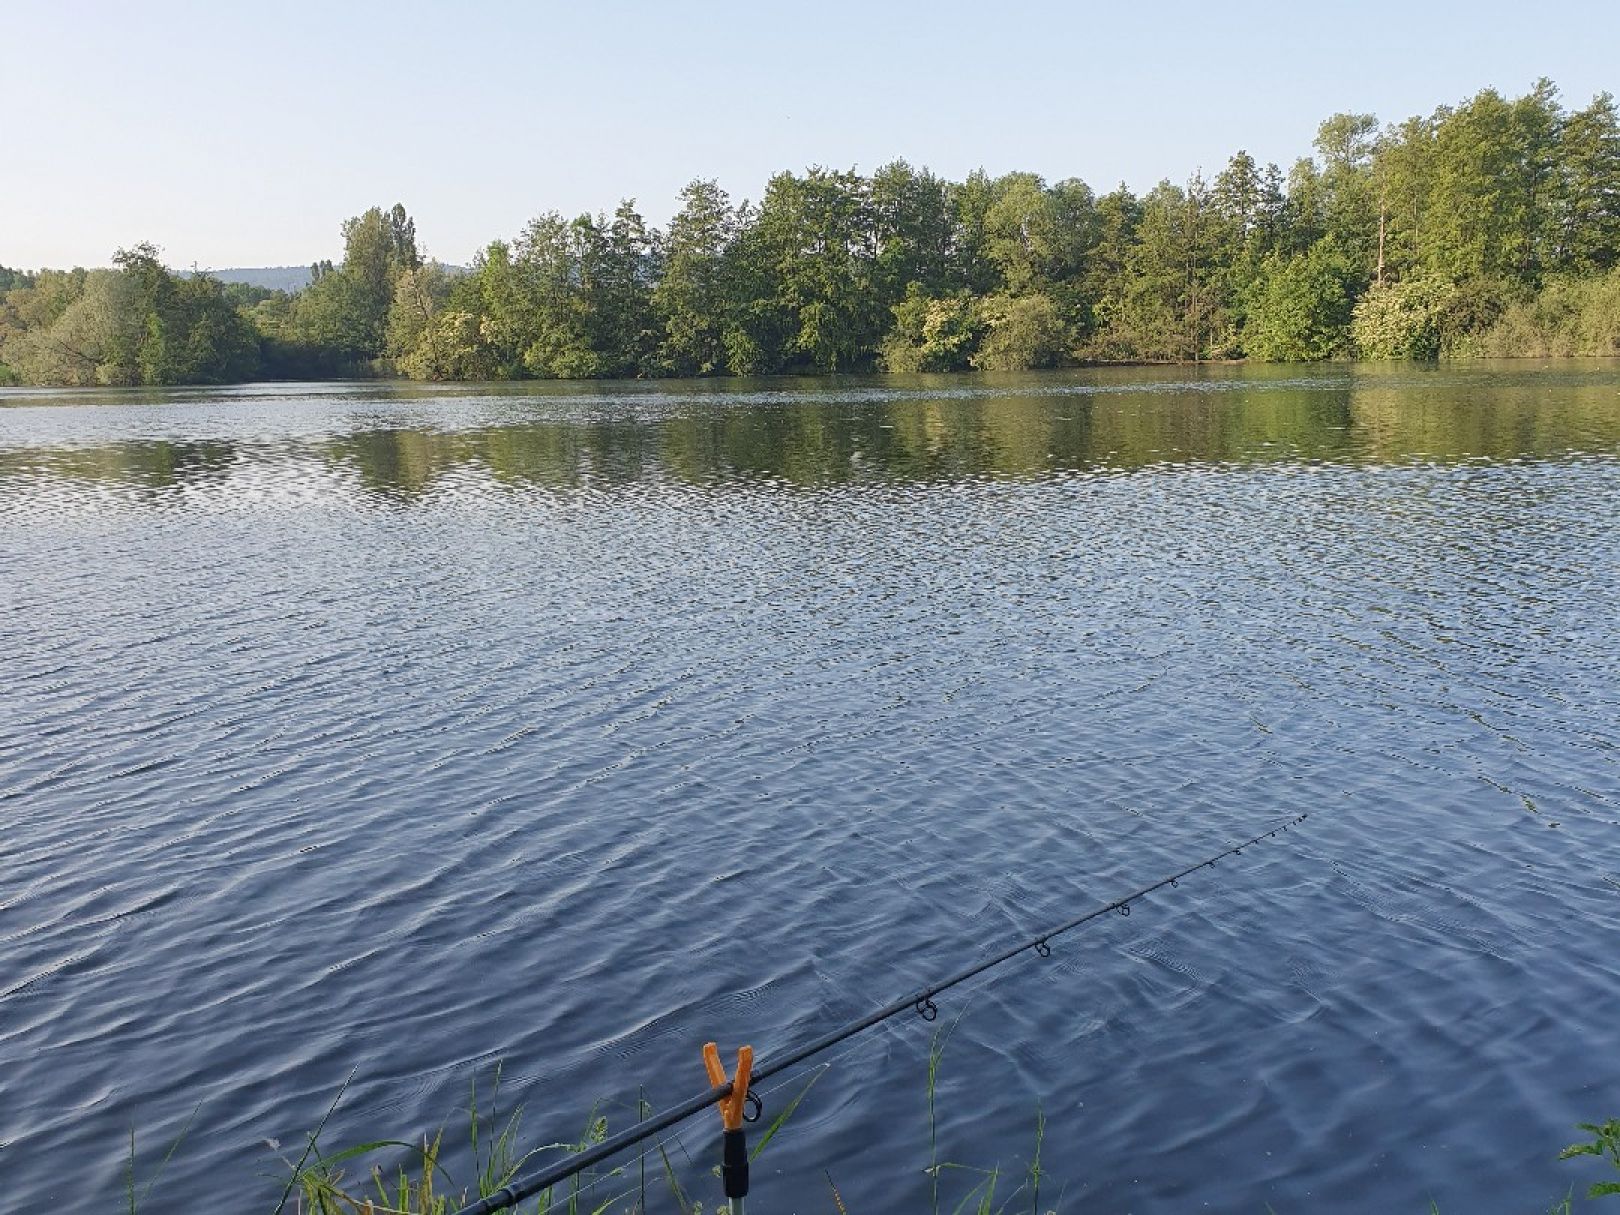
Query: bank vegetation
{"x":1491,"y":227}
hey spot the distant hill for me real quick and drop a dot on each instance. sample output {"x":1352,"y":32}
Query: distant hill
{"x":271,"y":278}
{"x":287,"y":278}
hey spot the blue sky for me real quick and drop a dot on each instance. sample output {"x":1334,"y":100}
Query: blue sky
{"x":241,"y":134}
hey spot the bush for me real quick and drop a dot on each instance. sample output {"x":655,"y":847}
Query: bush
{"x":1402,"y":320}
{"x":1301,"y":308}
{"x":931,"y":334}
{"x":1569,"y":317}
{"x":1024,"y":332}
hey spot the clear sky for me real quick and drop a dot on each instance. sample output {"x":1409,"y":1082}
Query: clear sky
{"x":234,"y":133}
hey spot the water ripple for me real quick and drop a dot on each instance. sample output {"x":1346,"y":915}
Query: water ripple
{"x":410,"y":729}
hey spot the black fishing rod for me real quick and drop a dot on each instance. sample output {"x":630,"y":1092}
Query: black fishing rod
{"x":921,"y":1002}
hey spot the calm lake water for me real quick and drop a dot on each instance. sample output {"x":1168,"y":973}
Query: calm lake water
{"x":404,"y":730}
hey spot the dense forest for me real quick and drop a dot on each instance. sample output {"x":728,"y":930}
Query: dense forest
{"x":1487,"y":228}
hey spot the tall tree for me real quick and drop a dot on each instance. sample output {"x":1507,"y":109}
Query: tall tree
{"x":1247,"y":204}
{"x":619,"y":293}
{"x":693,"y":298}
{"x":1300,"y":307}
{"x":1403,"y":167}
{"x":1118,"y":214}
{"x":1491,"y":165}
{"x":815,"y":234}
{"x":1346,"y":144}
{"x":1587,"y":227}
{"x":344,"y":312}
{"x":1030,"y":238}
{"x":555,"y":260}
{"x":1169,"y":309}
{"x":419,"y":294}
{"x":911,"y":228}
{"x":970,"y":202}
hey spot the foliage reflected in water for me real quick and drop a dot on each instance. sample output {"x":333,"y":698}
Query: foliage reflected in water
{"x":935,"y":431}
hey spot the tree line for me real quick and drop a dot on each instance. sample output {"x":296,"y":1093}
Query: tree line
{"x":1490,"y":227}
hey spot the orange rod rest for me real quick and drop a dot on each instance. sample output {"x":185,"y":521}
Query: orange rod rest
{"x":731,"y":1106}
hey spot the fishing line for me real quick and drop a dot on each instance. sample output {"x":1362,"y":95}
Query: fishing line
{"x":921,"y":1002}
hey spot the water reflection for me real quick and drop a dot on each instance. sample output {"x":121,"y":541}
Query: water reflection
{"x":403,"y":441}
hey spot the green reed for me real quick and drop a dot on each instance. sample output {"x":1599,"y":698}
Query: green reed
{"x":417,"y":1181}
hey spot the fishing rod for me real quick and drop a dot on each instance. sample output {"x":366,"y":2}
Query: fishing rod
{"x":732,"y":1094}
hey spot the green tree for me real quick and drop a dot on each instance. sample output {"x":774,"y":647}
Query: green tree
{"x":814,"y":234}
{"x":1036,"y":237}
{"x":1404,"y":320}
{"x":1169,"y":308}
{"x":694,"y":296}
{"x":555,"y":260}
{"x":931,"y":333}
{"x":341,"y":318}
{"x":759,"y":324}
{"x":1105,"y":282}
{"x":419,"y":293}
{"x":497,"y":295}
{"x":90,"y":340}
{"x":1301,"y":306}
{"x":1247,"y":204}
{"x":1023,"y":332}
{"x":453,"y":346}
{"x":618,"y":285}
{"x":137,"y":324}
{"x":157,"y":322}
{"x":1349,"y":207}
{"x":1250,"y":202}
{"x":912,"y":229}
{"x":1403,"y":168}
{"x":1489,"y":200}
{"x":1588,"y":223}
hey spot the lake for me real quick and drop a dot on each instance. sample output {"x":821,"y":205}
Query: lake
{"x":409,"y":731}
